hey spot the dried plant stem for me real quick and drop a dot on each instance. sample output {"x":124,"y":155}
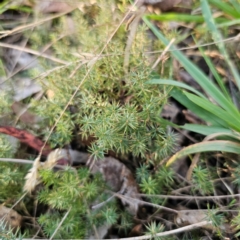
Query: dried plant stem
{"x":131,"y":36}
{"x":36,"y":53}
{"x":16,"y":160}
{"x":171,"y":232}
{"x":60,"y":224}
{"x":188,"y":197}
{"x":31,"y":25}
{"x":163,"y":53}
{"x":145,"y":203}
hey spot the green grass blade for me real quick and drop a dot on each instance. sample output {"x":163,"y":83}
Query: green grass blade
{"x":225,"y":7}
{"x":218,"y":145}
{"x":236,"y":5}
{"x":216,"y":35}
{"x":229,"y":23}
{"x":182,"y":17}
{"x":205,"y":130}
{"x":200,"y":112}
{"x":178,"y":17}
{"x":195,"y":72}
{"x":215,"y":74}
{"x":175,"y":84}
{"x":231,"y":119}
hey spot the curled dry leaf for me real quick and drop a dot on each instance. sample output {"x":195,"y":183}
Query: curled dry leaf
{"x":188,"y":217}
{"x":55,"y":6}
{"x":16,"y":59}
{"x":10,"y":217}
{"x":25,"y":87}
{"x":25,"y":116}
{"x":121,"y":180}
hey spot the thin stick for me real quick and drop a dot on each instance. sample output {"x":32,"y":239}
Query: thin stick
{"x":131,"y":36}
{"x":20,"y":199}
{"x":28,"y":50}
{"x":24,"y":67}
{"x":99,"y":205}
{"x":235,"y":38}
{"x":145,"y":203}
{"x":31,"y":25}
{"x":60,"y":224}
{"x":191,"y":197}
{"x":163,"y":53}
{"x":16,"y":160}
{"x":171,"y":232}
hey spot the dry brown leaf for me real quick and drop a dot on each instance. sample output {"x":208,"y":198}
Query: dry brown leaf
{"x":25,"y":116}
{"x":136,"y":230}
{"x":55,"y":6}
{"x":169,"y":5}
{"x":10,"y":217}
{"x":25,"y":87}
{"x":121,"y":180}
{"x":186,"y":216}
{"x":16,"y":59}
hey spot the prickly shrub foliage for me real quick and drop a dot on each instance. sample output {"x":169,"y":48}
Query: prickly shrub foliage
{"x":71,"y":195}
{"x":113,"y":107}
{"x":6,"y":233}
{"x":117,"y":109}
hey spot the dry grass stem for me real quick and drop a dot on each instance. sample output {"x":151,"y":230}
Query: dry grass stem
{"x":171,"y":232}
{"x":163,"y":53}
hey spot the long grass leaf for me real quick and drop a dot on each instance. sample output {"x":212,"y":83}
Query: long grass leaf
{"x":182,"y":17}
{"x":236,"y":5}
{"x":217,"y":37}
{"x":231,"y":119}
{"x":175,"y":16}
{"x":225,"y":7}
{"x":195,"y":72}
{"x":204,"y":129}
{"x":176,"y":84}
{"x":215,"y":74}
{"x":218,"y":145}
{"x":229,"y":23}
{"x":200,"y":112}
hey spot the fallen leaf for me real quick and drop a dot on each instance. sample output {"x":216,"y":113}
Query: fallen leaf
{"x":54,"y":6}
{"x":10,"y":217}
{"x":169,"y":5}
{"x":25,"y":87}
{"x":121,"y":180}
{"x":24,"y":115}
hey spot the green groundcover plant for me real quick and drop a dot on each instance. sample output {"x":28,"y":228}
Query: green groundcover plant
{"x":117,"y":110}
{"x":121,"y":112}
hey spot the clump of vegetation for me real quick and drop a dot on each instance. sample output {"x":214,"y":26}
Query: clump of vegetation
{"x":117,"y":110}
{"x":92,"y":103}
